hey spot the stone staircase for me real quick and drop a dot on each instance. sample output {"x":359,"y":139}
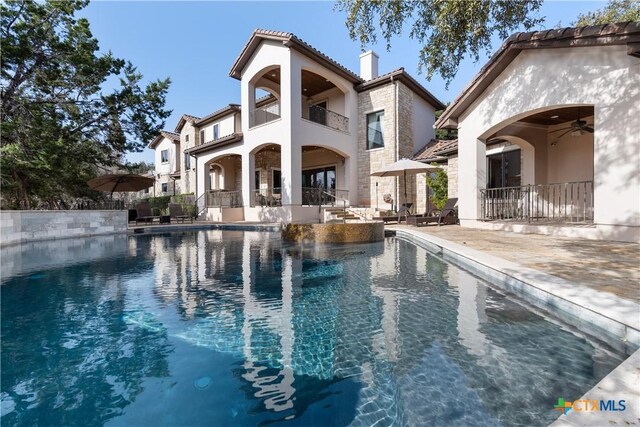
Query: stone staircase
{"x":338,"y":215}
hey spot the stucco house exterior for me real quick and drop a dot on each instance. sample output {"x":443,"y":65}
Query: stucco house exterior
{"x":307,"y":132}
{"x":549,"y":135}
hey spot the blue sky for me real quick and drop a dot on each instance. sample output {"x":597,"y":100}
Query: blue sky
{"x":195,"y":43}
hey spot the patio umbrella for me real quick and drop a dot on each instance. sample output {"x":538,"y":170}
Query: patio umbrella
{"x":402,"y":167}
{"x":120,"y":182}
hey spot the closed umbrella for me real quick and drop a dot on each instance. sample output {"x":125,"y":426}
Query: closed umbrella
{"x":402,"y":167}
{"x":120,"y":182}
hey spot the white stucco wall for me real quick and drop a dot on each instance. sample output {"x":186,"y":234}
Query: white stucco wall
{"x":424,"y":116}
{"x":542,"y":79}
{"x":226,"y":127}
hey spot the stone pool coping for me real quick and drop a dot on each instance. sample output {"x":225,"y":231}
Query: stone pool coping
{"x":164,"y":228}
{"x":601,"y":314}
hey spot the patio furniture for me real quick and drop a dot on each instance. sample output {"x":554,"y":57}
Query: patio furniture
{"x":388,"y":218}
{"x":145,"y":214}
{"x":447,"y":215}
{"x":176,"y":212}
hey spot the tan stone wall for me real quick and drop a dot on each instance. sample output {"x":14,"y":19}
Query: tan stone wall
{"x":452,"y":175}
{"x":369,"y":161}
{"x":334,"y":233}
{"x":267,"y":161}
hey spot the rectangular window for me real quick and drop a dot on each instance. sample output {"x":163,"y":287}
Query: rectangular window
{"x":164,"y":156}
{"x":374,"y":130}
{"x":216,"y":132}
{"x":186,"y":138}
{"x":202,"y":137}
{"x":187,"y":161}
{"x":165,"y":187}
{"x":277,"y":179}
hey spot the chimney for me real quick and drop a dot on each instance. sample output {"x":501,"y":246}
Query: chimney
{"x":369,"y":65}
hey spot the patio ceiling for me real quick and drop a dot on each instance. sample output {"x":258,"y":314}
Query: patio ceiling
{"x":560,"y":115}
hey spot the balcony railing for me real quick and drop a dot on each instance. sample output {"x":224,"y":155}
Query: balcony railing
{"x":569,"y":202}
{"x":326,"y":117}
{"x":267,"y":197}
{"x":224,"y":199}
{"x":264,"y":114}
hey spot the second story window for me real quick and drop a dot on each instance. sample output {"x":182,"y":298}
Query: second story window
{"x":164,"y":156}
{"x":186,"y":138}
{"x":165,"y":187}
{"x":216,"y":132}
{"x":202,"y":137}
{"x":187,"y":161}
{"x":374,"y":130}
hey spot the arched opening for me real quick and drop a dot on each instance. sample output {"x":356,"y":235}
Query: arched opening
{"x":265,"y":96}
{"x":324,"y":176}
{"x":266,"y":182}
{"x":323,"y":102}
{"x":223,"y":181}
{"x":541,"y":166}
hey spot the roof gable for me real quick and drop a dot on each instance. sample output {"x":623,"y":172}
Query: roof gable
{"x":597,"y":35}
{"x":291,"y":41}
{"x":171,"y":136}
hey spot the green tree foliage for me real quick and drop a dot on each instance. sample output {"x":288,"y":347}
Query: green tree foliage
{"x":448,"y":30}
{"x":65,"y":108}
{"x":614,"y":11}
{"x":439,"y":188}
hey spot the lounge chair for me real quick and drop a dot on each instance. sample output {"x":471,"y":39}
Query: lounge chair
{"x":446,"y":215}
{"x":176,"y":212}
{"x":145,"y":214}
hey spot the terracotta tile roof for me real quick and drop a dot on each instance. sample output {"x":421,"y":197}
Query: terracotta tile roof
{"x":436,"y":150}
{"x":184,"y":119}
{"x":218,"y":114}
{"x":289,"y":40}
{"x":174,"y":137}
{"x":597,"y":35}
{"x":401,"y":75}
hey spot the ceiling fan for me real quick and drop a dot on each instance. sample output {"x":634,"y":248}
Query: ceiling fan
{"x":576,"y":128}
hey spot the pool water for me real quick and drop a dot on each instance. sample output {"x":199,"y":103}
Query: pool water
{"x":231,"y":328}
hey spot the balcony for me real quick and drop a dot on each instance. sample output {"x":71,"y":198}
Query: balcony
{"x":325,"y":117}
{"x":264,"y":114}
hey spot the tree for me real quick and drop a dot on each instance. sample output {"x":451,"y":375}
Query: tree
{"x":65,"y":108}
{"x":439,"y":185}
{"x":614,"y":11}
{"x":447,"y":29}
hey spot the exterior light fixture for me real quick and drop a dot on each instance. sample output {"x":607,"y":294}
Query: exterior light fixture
{"x":555,"y":116}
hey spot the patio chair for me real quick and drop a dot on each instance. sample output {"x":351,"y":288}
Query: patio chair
{"x":145,"y":214}
{"x":447,"y":215}
{"x":176,"y":212}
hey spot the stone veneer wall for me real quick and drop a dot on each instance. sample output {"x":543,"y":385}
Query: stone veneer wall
{"x":26,"y":226}
{"x":452,"y":175}
{"x":266,"y":161}
{"x":362,"y":232}
{"x":382,"y":98}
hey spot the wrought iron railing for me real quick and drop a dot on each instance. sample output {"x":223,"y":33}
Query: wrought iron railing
{"x":224,"y":199}
{"x":319,"y":196}
{"x":326,"y":117}
{"x":264,"y":114}
{"x":201,"y":204}
{"x":567,"y":202}
{"x":267,"y":197}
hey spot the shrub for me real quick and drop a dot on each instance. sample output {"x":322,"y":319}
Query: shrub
{"x":439,"y":184}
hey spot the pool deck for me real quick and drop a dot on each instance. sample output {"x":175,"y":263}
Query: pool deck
{"x":595,"y":283}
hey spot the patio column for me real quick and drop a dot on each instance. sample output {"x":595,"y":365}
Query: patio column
{"x":248,"y":168}
{"x":472,"y":175}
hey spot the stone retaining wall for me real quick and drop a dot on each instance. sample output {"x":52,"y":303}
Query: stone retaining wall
{"x":361,"y":232}
{"x":27,"y":226}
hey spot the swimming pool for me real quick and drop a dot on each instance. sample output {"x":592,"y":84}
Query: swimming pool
{"x":238,"y":328}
